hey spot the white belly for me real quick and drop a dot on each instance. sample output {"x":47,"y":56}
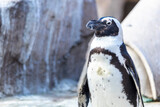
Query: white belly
{"x":105,"y":83}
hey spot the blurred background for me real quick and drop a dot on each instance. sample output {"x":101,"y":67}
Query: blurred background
{"x":43,"y":45}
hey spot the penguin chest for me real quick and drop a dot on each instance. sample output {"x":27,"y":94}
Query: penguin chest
{"x":105,"y":83}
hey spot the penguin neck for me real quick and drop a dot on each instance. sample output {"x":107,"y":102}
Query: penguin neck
{"x":106,"y":42}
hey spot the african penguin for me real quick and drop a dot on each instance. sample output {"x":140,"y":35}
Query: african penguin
{"x":111,"y":79}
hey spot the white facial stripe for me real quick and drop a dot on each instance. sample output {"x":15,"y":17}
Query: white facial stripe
{"x":107,"y":19}
{"x":117,"y":23}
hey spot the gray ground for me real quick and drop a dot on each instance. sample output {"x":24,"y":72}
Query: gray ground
{"x":65,"y":97}
{"x":50,"y":100}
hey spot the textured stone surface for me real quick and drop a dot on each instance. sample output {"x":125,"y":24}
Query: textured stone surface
{"x":42,"y":42}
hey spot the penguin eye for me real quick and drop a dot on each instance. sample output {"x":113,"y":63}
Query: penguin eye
{"x":108,"y":22}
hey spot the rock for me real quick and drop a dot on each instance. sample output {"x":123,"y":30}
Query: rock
{"x":42,"y":42}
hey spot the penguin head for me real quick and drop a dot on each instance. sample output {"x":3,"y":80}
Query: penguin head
{"x":105,"y":26}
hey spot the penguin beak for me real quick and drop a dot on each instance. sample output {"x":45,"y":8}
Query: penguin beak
{"x":95,"y":25}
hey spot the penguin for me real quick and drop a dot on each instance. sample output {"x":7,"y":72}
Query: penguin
{"x":111,"y":79}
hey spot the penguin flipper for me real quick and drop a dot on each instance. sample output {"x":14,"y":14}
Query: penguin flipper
{"x":137,"y":87}
{"x":132,"y":71}
{"x":83,"y":94}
